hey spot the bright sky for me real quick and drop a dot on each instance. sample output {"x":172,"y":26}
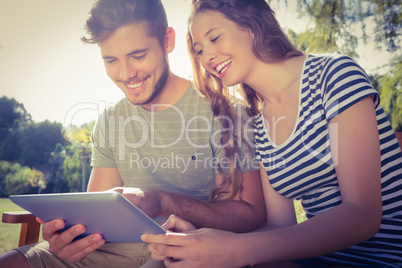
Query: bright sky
{"x":44,"y":65}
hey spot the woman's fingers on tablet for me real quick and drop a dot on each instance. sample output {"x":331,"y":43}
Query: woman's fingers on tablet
{"x":177,"y":224}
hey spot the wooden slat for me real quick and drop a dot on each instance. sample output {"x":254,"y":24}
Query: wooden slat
{"x":30,"y":228}
{"x":29,"y":233}
{"x":18,"y":217}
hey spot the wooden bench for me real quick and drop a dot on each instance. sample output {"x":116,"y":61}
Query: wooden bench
{"x":29,"y":233}
{"x":30,"y":227}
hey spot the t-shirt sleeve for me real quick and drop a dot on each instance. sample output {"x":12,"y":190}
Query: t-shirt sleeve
{"x":102,"y":154}
{"x":344,"y":83}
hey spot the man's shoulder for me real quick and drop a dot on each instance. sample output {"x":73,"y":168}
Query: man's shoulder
{"x":121,"y":107}
{"x":193,"y":99}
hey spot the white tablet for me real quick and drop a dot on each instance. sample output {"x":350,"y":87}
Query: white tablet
{"x":107,"y":213}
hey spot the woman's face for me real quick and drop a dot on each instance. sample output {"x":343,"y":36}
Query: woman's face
{"x":222,"y":47}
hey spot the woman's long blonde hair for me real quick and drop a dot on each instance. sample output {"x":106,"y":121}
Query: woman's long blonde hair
{"x":270,"y":45}
{"x":270,"y":42}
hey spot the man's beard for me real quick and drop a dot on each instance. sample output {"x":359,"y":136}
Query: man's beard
{"x":159,"y":84}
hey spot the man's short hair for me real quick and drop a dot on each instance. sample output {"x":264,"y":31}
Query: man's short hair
{"x":106,"y":16}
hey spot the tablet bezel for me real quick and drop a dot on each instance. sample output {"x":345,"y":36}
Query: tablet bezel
{"x":108,"y":213}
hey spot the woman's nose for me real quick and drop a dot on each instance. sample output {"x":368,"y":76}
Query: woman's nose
{"x":209,"y":55}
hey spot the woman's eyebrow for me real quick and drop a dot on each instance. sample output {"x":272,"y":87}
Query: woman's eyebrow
{"x":207,"y":33}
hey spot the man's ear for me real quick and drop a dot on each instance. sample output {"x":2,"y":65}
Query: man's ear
{"x":169,"y":41}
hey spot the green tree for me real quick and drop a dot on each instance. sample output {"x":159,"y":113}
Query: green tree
{"x":83,"y":139}
{"x":336,"y":21}
{"x":390,"y":85}
{"x":13,"y":118}
{"x":24,"y":141}
{"x":76,"y":166}
{"x":36,"y":179}
{"x":38,"y":142}
{"x":14,"y":182}
{"x":336,"y":24}
{"x":22,"y":180}
{"x":11,"y":149}
{"x":5,"y":168}
{"x":11,"y":112}
{"x":38,"y":154}
{"x":388,"y":18}
{"x":55,"y":182}
{"x":72,"y":168}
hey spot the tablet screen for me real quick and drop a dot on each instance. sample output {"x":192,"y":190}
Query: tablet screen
{"x":107,"y":213}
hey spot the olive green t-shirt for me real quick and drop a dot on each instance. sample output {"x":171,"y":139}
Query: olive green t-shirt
{"x":176,"y":150}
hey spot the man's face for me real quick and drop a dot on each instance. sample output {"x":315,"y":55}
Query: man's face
{"x":136,"y":63}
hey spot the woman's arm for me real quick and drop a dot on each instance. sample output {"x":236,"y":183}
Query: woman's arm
{"x":280,"y":210}
{"x":356,"y":151}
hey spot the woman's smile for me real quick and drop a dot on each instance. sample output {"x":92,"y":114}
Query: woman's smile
{"x":223,"y":67}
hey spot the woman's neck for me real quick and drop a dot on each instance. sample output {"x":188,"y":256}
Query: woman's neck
{"x":274,"y":80}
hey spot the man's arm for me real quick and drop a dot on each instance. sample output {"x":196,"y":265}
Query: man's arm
{"x":244,"y":213}
{"x":103,"y":179}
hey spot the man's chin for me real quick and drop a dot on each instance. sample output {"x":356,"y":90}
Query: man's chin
{"x":137,"y":101}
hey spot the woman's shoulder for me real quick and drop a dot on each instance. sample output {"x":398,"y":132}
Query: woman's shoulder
{"x":335,"y":65}
{"x":330,"y":58}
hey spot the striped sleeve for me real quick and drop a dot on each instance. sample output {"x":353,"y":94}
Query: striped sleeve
{"x":344,"y":84}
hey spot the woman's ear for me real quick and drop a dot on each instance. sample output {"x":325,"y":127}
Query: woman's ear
{"x":169,"y":41}
{"x":252,"y":34}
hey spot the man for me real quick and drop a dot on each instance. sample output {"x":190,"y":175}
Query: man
{"x":162,"y":138}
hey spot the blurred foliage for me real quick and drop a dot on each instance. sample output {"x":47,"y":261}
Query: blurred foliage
{"x":13,"y":118}
{"x":390,"y":85}
{"x":76,"y":165}
{"x":38,"y":141}
{"x":20,"y":179}
{"x":41,"y":157}
{"x":72,"y":168}
{"x":388,"y":18}
{"x":300,"y":213}
{"x":338,"y":24}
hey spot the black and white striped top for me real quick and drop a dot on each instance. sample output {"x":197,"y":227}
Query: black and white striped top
{"x":302,"y":167}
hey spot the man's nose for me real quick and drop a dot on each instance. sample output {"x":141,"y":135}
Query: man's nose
{"x":127,"y":71}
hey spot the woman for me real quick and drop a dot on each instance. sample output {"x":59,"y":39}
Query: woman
{"x":321,"y":137}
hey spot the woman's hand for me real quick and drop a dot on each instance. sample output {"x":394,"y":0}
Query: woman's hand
{"x":176,"y":224}
{"x":198,"y":248}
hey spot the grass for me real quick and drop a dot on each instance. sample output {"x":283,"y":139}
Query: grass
{"x":300,"y":213}
{"x":9,"y":233}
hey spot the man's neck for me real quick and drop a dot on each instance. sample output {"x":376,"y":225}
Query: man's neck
{"x":173,"y":90}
